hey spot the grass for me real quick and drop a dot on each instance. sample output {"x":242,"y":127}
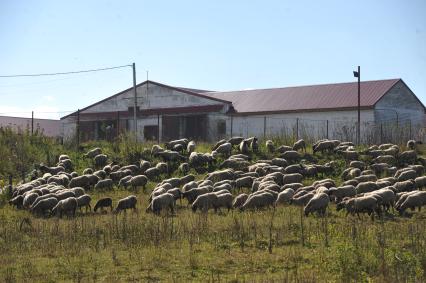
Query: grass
{"x":267,"y":245}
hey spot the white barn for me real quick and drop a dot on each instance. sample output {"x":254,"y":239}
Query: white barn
{"x":165,"y":112}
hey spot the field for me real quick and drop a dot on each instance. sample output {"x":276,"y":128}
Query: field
{"x":267,"y":245}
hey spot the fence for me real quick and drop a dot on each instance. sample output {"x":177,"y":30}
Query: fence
{"x":211,"y":127}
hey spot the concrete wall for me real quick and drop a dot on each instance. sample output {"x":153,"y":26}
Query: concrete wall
{"x":401,"y":102}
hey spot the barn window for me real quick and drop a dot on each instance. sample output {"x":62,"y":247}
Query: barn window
{"x":221,"y":128}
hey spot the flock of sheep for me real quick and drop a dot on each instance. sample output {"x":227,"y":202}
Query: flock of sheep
{"x":375,"y":180}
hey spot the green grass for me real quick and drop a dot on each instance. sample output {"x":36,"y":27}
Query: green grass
{"x":267,"y":245}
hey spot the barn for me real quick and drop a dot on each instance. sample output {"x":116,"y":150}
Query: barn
{"x":389,"y":110}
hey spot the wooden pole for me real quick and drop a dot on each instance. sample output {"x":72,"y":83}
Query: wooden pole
{"x":135,"y":126}
{"x":78,"y":128}
{"x":264,"y":127}
{"x":32,"y":123}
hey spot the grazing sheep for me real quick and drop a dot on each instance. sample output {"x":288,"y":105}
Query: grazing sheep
{"x":366,"y":178}
{"x":171,"y":156}
{"x":365,"y":187}
{"x":144,"y":165}
{"x":292,"y":178}
{"x":68,"y":205}
{"x":64,"y":194}
{"x":294,"y":168}
{"x":318,"y":203}
{"x":364,"y":204}
{"x":259,"y":200}
{"x":216,"y":176}
{"x":191,"y":147}
{"x":80,"y":181}
{"x":284,"y":148}
{"x":244,"y":182}
{"x":407,"y":157}
{"x":239,"y":200}
{"x":100,"y":160}
{"x":176,"y":192}
{"x":155,"y":149}
{"x":300,"y":144}
{"x":411,"y":144}
{"x":323,"y":146}
{"x":284,"y":197}
{"x":52,"y":170}
{"x":224,"y":199}
{"x":219,"y":143}
{"x":224,"y":149}
{"x":204,"y":202}
{"x":184,"y":168}
{"x":161,"y":202}
{"x":124,"y":181}
{"x":302,"y":200}
{"x":405,"y":186}
{"x":186,"y":179}
{"x":171,"y":144}
{"x":293,"y":186}
{"x":126,"y":203}
{"x":420,"y":182}
{"x":152,"y":173}
{"x":104,"y":184}
{"x":138,"y":181}
{"x":291,"y":155}
{"x":192,"y":194}
{"x":401,"y":197}
{"x":102,"y":203}
{"x":44,"y":205}
{"x":389,"y":159}
{"x":407,"y":175}
{"x":29,"y":199}
{"x":414,"y":200}
{"x":357,"y":164}
{"x":270,"y":146}
{"x":341,"y":192}
{"x":78,"y":191}
{"x":84,"y":201}
{"x":92,"y":153}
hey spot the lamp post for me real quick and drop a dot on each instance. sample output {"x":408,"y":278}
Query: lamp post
{"x":357,"y":74}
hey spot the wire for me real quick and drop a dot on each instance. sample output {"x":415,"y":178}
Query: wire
{"x":64,"y":73}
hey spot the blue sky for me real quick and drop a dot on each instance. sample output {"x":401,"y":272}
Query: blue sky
{"x":217,"y":45}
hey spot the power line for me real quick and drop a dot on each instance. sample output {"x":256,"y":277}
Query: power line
{"x":64,"y":73}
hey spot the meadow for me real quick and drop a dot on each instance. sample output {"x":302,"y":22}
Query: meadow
{"x":270,"y":245}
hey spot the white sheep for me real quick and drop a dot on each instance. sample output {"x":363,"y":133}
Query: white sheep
{"x":84,"y":201}
{"x":161,"y":202}
{"x":318,"y":203}
{"x":68,"y":205}
{"x":258,"y":200}
{"x":239,"y":200}
{"x":204,"y":202}
{"x":417,"y":199}
{"x":284,"y":197}
{"x":270,"y":146}
{"x":126,"y":203}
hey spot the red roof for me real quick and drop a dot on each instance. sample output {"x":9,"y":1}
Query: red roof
{"x":307,"y":98}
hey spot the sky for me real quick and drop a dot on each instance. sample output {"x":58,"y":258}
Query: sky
{"x":214,"y":45}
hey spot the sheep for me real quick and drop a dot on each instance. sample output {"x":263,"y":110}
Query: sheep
{"x":227,"y":174}
{"x":52,"y":170}
{"x":389,"y":159}
{"x":171,"y":156}
{"x":29,"y":199}
{"x":192,"y":194}
{"x":243,"y":147}
{"x":341,"y":192}
{"x":176,"y":192}
{"x":357,"y":164}
{"x":184,"y":168}
{"x":411,"y":144}
{"x":68,"y":205}
{"x":365,"y":187}
{"x":155,"y":149}
{"x":300,"y":144}
{"x":64,"y":194}
{"x":401,"y":197}
{"x":103,"y":202}
{"x":414,"y":200}
{"x":224,"y":199}
{"x":126,"y":203}
{"x":254,"y":145}
{"x":235,"y":141}
{"x":224,"y":149}
{"x":186,"y":179}
{"x":386,"y":196}
{"x":144,"y":165}
{"x":379,"y":168}
{"x":124,"y":181}
{"x":323,"y":146}
{"x":152,"y":173}
{"x":295,"y":168}
{"x":104,"y":184}
{"x":178,"y":148}
{"x":270,"y":146}
{"x":84,"y":201}
{"x":405,"y":186}
{"x":92,"y":153}
{"x":78,"y":191}
{"x":292,"y":178}
{"x":92,"y":180}
{"x":171,"y":144}
{"x":44,"y":205}
{"x":407,"y":175}
{"x":191,"y":147}
{"x":420,"y":169}
{"x":291,"y":155}
{"x":393,"y":150}
{"x":279,"y":162}
{"x":138,"y":181}
{"x":260,"y":200}
{"x":293,"y":186}
{"x":407,"y":157}
{"x":198,"y":160}
{"x":244,"y":182}
{"x":204,"y":202}
{"x":359,"y":205}
{"x":239,"y":200}
{"x":100,"y":160}
{"x":284,"y":148}
{"x":318,"y":203}
{"x":420,"y":182}
{"x":302,"y":200}
{"x":40,"y":198}
{"x":366,"y":178}
{"x":161,"y":202}
{"x":80,"y":181}
{"x":284,"y":196}
{"x":217,"y":144}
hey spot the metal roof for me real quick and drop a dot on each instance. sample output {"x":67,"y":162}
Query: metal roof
{"x":307,"y":98}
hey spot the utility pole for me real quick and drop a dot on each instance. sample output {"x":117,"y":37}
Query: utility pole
{"x":357,"y":74}
{"x":136,"y":102}
{"x":32,"y":123}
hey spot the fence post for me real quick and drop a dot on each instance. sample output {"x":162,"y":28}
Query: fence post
{"x":158,"y":128}
{"x":264,"y":127}
{"x":232,"y":122}
{"x":381,"y":132}
{"x":32,"y":123}
{"x":297,"y":128}
{"x":327,"y":129}
{"x":78,"y":128}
